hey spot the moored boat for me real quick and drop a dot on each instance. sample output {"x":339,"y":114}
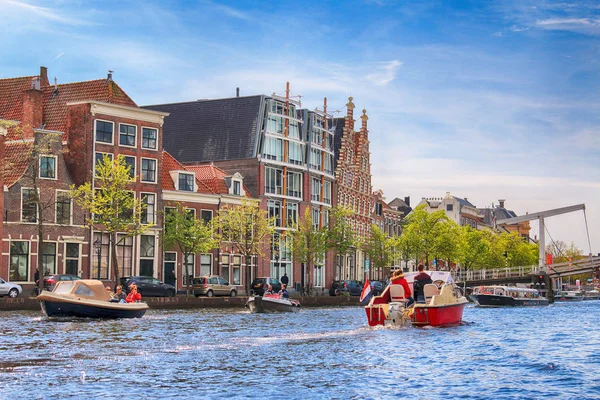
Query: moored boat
{"x":272,"y":303}
{"x":507,"y":296}
{"x":593,"y":294}
{"x":568,"y":295}
{"x":443,"y":304}
{"x":86,"y":298}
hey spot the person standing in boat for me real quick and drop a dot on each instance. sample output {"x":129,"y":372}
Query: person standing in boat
{"x":420,"y":280}
{"x":399,"y":279}
{"x":283,"y":293}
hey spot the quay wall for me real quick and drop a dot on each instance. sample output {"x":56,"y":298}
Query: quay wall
{"x":179,"y":302}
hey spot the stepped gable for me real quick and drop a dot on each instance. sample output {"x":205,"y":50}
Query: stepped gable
{"x":212,"y":130}
{"x":337,"y":137}
{"x":213,"y":177}
{"x":169,"y":163}
{"x":16,"y":161}
{"x":56,"y":99}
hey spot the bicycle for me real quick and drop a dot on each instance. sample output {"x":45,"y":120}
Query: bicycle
{"x":308,"y":291}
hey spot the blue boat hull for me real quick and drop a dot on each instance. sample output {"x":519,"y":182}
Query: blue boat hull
{"x":490,"y":300}
{"x":63,"y":309}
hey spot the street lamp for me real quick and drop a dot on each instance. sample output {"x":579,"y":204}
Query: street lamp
{"x":98,"y":247}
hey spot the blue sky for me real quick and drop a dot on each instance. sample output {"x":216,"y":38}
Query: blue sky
{"x":486,"y":100}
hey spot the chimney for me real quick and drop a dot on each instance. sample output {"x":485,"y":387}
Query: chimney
{"x":407,"y":200}
{"x":109,"y":77}
{"x":32,"y":109}
{"x":237,"y":92}
{"x":44,"y":76}
{"x":501,"y":205}
{"x":466,"y":199}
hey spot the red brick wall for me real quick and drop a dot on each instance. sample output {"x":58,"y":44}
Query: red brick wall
{"x":32,"y":111}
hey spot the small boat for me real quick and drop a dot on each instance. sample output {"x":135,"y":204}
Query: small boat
{"x":86,"y":298}
{"x":271,"y":303}
{"x":593,"y":294}
{"x":507,"y":296}
{"x":443,"y":304}
{"x":568,"y":295}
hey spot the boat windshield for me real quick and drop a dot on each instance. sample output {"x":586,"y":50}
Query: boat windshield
{"x":64,"y":287}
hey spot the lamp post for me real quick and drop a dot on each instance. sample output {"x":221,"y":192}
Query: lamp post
{"x":98,"y":247}
{"x":277,"y":266}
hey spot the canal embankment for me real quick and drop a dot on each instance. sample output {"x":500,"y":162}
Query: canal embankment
{"x":181,"y":302}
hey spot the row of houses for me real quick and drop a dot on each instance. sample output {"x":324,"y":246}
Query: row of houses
{"x":204,"y":154}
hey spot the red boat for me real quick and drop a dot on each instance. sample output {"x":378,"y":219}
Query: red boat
{"x":443,"y":306}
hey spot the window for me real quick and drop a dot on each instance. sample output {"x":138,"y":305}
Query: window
{"x":274,"y":210}
{"x":147,"y":255}
{"x":328,"y":164}
{"x":125,"y":254}
{"x":294,"y":184}
{"x":205,"y":264}
{"x":191,"y":267}
{"x":273,"y":149}
{"x":191,"y":213}
{"x":72,"y":258}
{"x":315,"y":218}
{"x":237,"y":266}
{"x":315,"y":159}
{"x":149,"y":138}
{"x":225,"y":266}
{"x":315,"y":193}
{"x":275,"y":124}
{"x":295,"y":153}
{"x":327,"y":192}
{"x":28,"y":206}
{"x":127,"y":135}
{"x":48,"y":167}
{"x":149,"y":200}
{"x":273,"y":180}
{"x":100,"y":158}
{"x":292,"y":215}
{"x":236,"y":187}
{"x":186,"y":182}
{"x":19,"y":261}
{"x":104,"y":131}
{"x":100,"y":271}
{"x":293,"y":130}
{"x":148,"y":170}
{"x":379,"y":208}
{"x":126,"y":213}
{"x":63,"y":207}
{"x":206,"y":216}
{"x":130,"y":163}
{"x":449,"y":207}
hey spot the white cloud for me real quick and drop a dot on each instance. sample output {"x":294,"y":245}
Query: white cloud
{"x":385,"y":72}
{"x":27,"y":11}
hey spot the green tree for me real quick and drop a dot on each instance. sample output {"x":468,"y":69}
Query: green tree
{"x":380,"y":249}
{"x":473,"y":247}
{"x":309,"y":245}
{"x":188,"y":234}
{"x":423,"y":231}
{"x":246,"y":227}
{"x":113,"y":206}
{"x":341,"y":236}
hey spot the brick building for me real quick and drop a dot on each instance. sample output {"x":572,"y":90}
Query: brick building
{"x":285,"y":155}
{"x":89,"y":118}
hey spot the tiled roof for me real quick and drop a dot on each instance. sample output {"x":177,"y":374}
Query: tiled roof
{"x":11,"y":96}
{"x":15,"y":161}
{"x":211,"y":130}
{"x":169,"y":163}
{"x":55,"y":101}
{"x":213,"y":177}
{"x":463,"y":202}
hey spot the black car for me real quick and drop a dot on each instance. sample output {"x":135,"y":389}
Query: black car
{"x":51,"y":280}
{"x":259,"y":285}
{"x":148,"y":286}
{"x":377,"y":287}
{"x":353,"y":288}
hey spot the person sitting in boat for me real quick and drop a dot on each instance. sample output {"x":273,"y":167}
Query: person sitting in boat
{"x":283,"y":293}
{"x":399,"y":279}
{"x":133,"y":295}
{"x":110,"y":293}
{"x":120,"y":295}
{"x":269,"y":290}
{"x":420,"y":280}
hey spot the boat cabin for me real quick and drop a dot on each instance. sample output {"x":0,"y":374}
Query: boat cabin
{"x":507,"y":291}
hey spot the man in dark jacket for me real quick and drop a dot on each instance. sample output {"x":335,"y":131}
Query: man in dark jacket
{"x":420,"y":280}
{"x":284,"y":279}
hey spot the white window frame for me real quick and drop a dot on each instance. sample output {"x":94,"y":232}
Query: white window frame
{"x":193,"y":181}
{"x":239,"y":183}
{"x":101,"y":152}
{"x":133,"y":179}
{"x":55,"y":166}
{"x":37,"y":211}
{"x":142,"y":194}
{"x":112,"y":142}
{"x":56,"y":207}
{"x":210,"y":255}
{"x":155,"y":170}
{"x":211,"y":214}
{"x":142,"y":138}
{"x":154,"y":256}
{"x":299,"y":174}
{"x":134,"y":139}
{"x":67,"y":258}
{"x":29,"y":255}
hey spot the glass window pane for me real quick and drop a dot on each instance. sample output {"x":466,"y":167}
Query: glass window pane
{"x":104,"y":131}
{"x":149,"y":138}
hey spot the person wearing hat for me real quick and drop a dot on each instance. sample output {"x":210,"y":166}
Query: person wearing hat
{"x":399,"y":279}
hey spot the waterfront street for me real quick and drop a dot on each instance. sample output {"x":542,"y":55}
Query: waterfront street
{"x":540,"y":352}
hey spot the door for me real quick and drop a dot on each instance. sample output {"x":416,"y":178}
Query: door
{"x":146,"y":267}
{"x":169,"y":268}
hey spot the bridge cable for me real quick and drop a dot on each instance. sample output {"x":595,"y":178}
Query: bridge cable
{"x":588,"y":235}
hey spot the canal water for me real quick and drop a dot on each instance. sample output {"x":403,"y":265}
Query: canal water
{"x":523,"y":353}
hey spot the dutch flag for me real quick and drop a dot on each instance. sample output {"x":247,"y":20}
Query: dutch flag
{"x":366,"y":292}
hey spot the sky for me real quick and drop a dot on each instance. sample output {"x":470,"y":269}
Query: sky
{"x":485,"y":100}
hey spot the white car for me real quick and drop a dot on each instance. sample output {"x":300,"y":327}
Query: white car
{"x":11,"y":289}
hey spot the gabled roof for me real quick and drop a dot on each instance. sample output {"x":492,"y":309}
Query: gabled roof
{"x":213,"y":177}
{"x":463,"y":202}
{"x":16,"y":161}
{"x":169,"y":163}
{"x":212,"y":130}
{"x":398,"y":203}
{"x":55,"y":100}
{"x":11,"y":96}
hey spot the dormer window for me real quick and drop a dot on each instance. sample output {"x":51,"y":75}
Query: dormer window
{"x":235,"y":184}
{"x":236,"y":188}
{"x":186,"y":182}
{"x":48,"y":167}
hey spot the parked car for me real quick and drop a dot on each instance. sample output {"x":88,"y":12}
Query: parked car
{"x":259,"y":285}
{"x":377,"y":287}
{"x":9,"y":289}
{"x":51,"y":280}
{"x":213,"y":286}
{"x":353,"y":288}
{"x":148,"y":286}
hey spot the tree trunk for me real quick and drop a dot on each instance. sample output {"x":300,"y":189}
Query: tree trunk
{"x":248,"y":274}
{"x":40,"y":250}
{"x":115,"y":260}
{"x":187,"y":274}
